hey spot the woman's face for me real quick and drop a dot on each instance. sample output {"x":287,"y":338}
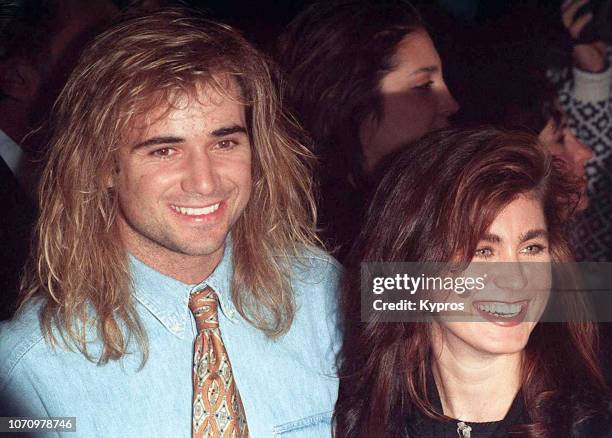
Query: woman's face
{"x":415,"y":100}
{"x":501,"y":316}
{"x":562,"y":143}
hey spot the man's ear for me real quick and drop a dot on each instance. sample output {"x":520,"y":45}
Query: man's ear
{"x":19,"y":79}
{"x":109,"y":179}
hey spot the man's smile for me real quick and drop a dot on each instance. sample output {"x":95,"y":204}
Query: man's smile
{"x":196,"y":211}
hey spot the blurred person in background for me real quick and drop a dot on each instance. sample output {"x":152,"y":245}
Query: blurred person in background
{"x":585,"y":94}
{"x":40,"y":41}
{"x":364,"y":79}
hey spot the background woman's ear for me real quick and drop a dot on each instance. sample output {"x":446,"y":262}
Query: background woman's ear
{"x":19,"y":79}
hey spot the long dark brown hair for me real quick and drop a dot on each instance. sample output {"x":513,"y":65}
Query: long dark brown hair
{"x":434,"y":204}
{"x":334,"y":54}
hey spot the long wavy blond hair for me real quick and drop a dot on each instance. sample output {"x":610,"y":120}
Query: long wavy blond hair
{"x":78,"y":262}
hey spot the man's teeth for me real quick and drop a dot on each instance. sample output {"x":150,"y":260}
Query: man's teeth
{"x":505,"y":310}
{"x":196,"y":211}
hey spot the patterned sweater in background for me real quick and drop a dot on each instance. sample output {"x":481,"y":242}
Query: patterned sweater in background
{"x":587,"y":99}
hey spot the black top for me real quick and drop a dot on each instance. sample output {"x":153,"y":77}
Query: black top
{"x":16,"y":220}
{"x":424,"y":427}
{"x":341,"y":208}
{"x":420,"y":426}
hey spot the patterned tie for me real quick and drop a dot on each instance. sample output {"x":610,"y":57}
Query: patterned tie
{"x":217,"y":408}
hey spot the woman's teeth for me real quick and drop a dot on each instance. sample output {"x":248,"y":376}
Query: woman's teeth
{"x":505,"y":310}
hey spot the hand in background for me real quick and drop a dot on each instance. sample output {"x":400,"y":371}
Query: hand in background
{"x":589,"y":57}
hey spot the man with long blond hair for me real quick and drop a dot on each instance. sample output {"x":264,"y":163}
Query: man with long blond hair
{"x":175,"y":286}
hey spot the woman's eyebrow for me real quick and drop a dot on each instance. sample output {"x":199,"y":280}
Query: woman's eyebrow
{"x":428,"y":69}
{"x":532,"y":234}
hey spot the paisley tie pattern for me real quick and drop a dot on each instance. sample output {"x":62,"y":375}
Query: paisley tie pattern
{"x":217,"y":408}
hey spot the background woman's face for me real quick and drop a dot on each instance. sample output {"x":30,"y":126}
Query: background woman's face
{"x":415,"y":100}
{"x":504,"y":313}
{"x":562,"y":143}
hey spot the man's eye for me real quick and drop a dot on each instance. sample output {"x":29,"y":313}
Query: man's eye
{"x":162,"y":152}
{"x":226,"y":144}
{"x":483,"y":253}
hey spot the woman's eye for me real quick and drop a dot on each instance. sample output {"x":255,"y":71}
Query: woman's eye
{"x":483,"y":253}
{"x":561,"y":139}
{"x":425,"y":86}
{"x":533,"y":249}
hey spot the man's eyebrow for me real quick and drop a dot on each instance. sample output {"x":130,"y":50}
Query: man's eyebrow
{"x":228,"y":130}
{"x":532,"y":234}
{"x":158,"y":141}
{"x":429,"y":69}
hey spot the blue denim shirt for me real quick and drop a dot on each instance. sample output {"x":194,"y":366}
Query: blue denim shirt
{"x":288,"y":385}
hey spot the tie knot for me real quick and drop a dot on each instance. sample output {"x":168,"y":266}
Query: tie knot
{"x":204,"y":305}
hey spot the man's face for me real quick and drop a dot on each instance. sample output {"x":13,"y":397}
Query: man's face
{"x":184,"y":177}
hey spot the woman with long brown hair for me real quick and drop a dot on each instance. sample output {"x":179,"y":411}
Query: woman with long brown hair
{"x":474,"y":196}
{"x":364,"y":79}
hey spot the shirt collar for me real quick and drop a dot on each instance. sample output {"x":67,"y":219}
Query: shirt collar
{"x":11,"y":153}
{"x":168,"y":299}
{"x":221,"y":282}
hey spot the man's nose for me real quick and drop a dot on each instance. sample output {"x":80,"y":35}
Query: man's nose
{"x":199,"y":175}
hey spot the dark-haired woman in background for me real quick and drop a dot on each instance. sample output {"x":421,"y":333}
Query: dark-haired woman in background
{"x":365,"y":78}
{"x":475,"y":196}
